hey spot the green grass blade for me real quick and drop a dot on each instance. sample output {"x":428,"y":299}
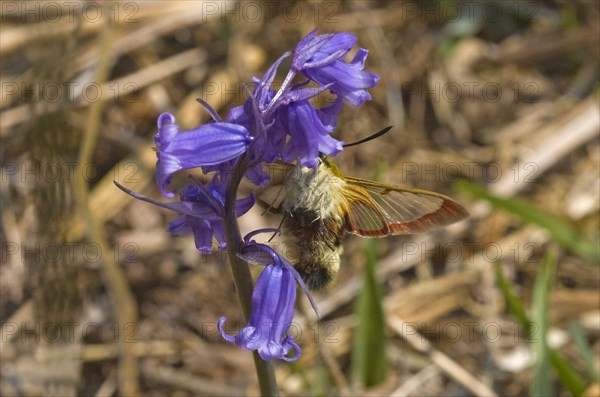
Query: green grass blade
{"x":513,"y":303}
{"x":321,"y":385}
{"x":568,"y":376}
{"x":542,"y":382}
{"x":369,"y":361}
{"x":560,"y":230}
{"x":585,"y":351}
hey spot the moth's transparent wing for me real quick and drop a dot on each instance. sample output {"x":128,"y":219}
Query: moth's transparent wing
{"x":364,"y":216}
{"x":273,"y":195}
{"x":377,"y":210}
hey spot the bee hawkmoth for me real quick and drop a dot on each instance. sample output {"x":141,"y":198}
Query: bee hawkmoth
{"x":321,"y":205}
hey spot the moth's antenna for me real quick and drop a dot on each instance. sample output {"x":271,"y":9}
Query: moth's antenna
{"x":369,"y":138}
{"x":279,"y":227}
{"x":272,"y":205}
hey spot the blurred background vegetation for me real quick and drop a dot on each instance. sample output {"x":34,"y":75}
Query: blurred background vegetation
{"x":494,"y":103}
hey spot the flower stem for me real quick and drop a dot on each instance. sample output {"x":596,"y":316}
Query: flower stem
{"x":242,"y":276}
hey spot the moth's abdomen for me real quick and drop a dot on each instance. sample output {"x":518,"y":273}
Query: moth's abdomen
{"x":314,"y":245}
{"x":307,"y":224}
{"x":318,"y":271}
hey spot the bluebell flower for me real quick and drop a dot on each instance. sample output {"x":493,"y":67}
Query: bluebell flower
{"x":273,"y":302}
{"x":206,"y":145}
{"x":315,"y":51}
{"x":201,"y":212}
{"x":263,"y":94}
{"x":318,"y":57}
{"x":289,"y":128}
{"x":272,"y":312}
{"x":309,"y":135}
{"x":204,"y":228}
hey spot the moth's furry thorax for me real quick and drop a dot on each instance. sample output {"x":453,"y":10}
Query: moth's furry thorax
{"x":313,"y":223}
